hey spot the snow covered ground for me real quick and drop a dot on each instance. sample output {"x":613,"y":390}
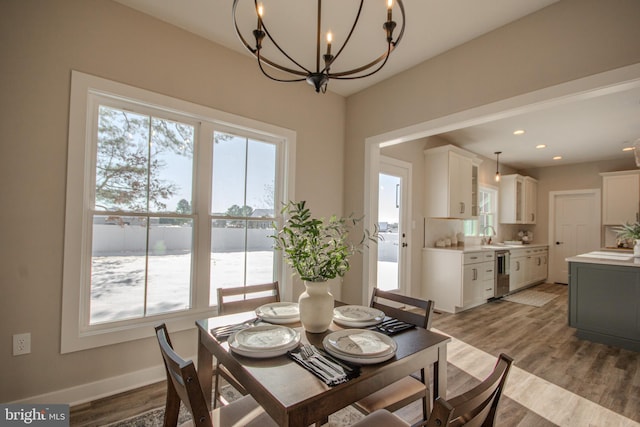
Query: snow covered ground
{"x":117,"y":291}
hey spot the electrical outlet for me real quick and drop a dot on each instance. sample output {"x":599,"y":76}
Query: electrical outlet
{"x":21,"y":344}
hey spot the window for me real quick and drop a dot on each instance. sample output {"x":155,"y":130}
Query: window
{"x":487,"y":217}
{"x":164,"y":205}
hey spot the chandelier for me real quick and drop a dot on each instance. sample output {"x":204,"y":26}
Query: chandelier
{"x":286,"y":68}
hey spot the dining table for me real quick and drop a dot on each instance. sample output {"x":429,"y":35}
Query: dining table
{"x":292,"y":395}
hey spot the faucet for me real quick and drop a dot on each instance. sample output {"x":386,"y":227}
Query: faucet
{"x":486,"y":241}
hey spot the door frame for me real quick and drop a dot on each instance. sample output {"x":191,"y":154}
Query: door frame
{"x":552,"y":220}
{"x":404,"y":257}
{"x":611,"y":81}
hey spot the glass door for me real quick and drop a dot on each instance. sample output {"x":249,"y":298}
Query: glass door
{"x":392,"y":207}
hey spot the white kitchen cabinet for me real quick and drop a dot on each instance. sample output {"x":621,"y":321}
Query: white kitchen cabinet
{"x":457,"y":281}
{"x":518,"y":199}
{"x":528,"y":266}
{"x":620,"y":197}
{"x":530,"y":200}
{"x":449,"y":183}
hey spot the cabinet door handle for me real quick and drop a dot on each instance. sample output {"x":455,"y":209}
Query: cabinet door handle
{"x":462,"y":207}
{"x":517,"y":265}
{"x":475,"y":274}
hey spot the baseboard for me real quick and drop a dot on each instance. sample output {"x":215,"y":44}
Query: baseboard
{"x":103,"y":388}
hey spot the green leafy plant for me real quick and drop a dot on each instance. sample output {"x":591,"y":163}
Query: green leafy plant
{"x":629,"y":231}
{"x":318,"y":250}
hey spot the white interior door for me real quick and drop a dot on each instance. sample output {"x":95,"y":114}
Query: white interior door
{"x":574,"y":228}
{"x":393,"y":207}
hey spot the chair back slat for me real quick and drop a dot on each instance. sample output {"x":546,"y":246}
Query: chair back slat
{"x":476,"y":407}
{"x":245,"y":298}
{"x":407,"y":309}
{"x":182,"y":383}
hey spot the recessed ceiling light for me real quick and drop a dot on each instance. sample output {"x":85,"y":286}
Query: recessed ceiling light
{"x":628,"y":148}
{"x":518,"y":132}
{"x":539,"y":146}
{"x":557,"y":158}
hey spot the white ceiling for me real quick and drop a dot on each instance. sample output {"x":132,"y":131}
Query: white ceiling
{"x":588,"y":130}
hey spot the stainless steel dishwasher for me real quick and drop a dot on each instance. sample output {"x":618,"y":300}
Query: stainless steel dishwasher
{"x":502,"y":273}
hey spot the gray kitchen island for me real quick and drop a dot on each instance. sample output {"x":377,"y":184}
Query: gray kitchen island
{"x":604,"y":298}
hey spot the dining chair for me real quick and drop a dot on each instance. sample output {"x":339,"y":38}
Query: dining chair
{"x":417,"y":312}
{"x":183,"y":385}
{"x":476,"y":407}
{"x":236,"y":300}
{"x":245,"y":298}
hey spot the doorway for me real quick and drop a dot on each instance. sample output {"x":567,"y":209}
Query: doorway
{"x":574,"y":228}
{"x":393,"y":269}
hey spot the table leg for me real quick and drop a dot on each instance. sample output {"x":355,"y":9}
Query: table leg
{"x":440,"y":374}
{"x":205,"y":369}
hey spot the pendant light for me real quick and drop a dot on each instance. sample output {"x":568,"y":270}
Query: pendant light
{"x":497,"y":153}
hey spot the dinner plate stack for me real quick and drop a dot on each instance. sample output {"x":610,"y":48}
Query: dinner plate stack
{"x":279,"y":312}
{"x":357,"y":316}
{"x":264,"y":341}
{"x":359,"y":346}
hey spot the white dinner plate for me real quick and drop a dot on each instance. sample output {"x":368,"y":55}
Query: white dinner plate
{"x":264,"y":337}
{"x":279,"y":312}
{"x":262,"y":353}
{"x":351,"y":324}
{"x":360,"y":344}
{"x":357,"y":314}
{"x":360,"y":360}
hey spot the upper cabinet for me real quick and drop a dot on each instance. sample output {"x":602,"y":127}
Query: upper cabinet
{"x":449,"y":182}
{"x":620,"y":197}
{"x":530,"y":200}
{"x":518,"y":197}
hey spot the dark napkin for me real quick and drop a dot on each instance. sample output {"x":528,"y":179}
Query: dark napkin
{"x":392,"y":326}
{"x":329,"y":369}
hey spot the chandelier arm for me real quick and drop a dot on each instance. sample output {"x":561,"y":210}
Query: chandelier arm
{"x":347,"y":75}
{"x":273,"y":64}
{"x":255,"y":53}
{"x":346,"y":40}
{"x":276,"y":78}
{"x":343,"y":75}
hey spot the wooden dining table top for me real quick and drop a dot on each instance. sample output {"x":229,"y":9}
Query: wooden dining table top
{"x":292,"y":395}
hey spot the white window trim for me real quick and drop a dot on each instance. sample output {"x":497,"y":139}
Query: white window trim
{"x":74,"y":336}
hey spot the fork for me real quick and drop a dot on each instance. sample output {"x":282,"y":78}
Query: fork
{"x":308,"y":354}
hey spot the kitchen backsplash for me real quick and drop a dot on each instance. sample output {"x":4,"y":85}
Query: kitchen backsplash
{"x":441,"y":229}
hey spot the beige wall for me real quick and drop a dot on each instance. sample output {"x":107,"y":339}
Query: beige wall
{"x":581,"y":176}
{"x":41,"y":42}
{"x":568,"y":40}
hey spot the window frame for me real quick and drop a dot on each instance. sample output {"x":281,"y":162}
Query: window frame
{"x":475,"y":223}
{"x":86,"y":90}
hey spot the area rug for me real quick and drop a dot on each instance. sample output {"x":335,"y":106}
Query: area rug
{"x":535,"y":298}
{"x":155,"y":417}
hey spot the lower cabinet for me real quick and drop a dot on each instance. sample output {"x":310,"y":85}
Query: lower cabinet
{"x":457,"y":281}
{"x":528,"y":266}
{"x":604,"y":303}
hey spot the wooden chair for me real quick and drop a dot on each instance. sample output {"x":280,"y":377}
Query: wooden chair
{"x":409,"y":389}
{"x":476,"y":407}
{"x":245,"y":298}
{"x":183,"y":385}
{"x":236,"y":300}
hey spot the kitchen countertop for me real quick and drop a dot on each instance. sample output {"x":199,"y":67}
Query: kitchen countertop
{"x":479,"y":248}
{"x":607,"y":257}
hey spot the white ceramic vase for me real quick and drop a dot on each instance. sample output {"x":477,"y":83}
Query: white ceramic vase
{"x":636,"y":248}
{"x":316,"y":307}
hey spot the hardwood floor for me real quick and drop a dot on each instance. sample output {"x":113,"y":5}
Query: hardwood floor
{"x":538,"y":338}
